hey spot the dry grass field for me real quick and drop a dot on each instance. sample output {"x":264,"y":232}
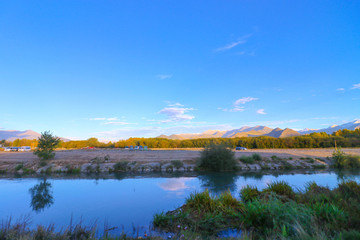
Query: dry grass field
{"x":161,"y":155}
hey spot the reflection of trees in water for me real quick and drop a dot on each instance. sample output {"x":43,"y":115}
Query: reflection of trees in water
{"x":219,"y":182}
{"x":41,"y":196}
{"x":347,"y":175}
{"x":253,"y":175}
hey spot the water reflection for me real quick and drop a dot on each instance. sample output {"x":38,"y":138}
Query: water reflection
{"x":347,"y":175}
{"x":218,"y":182}
{"x":41,"y":196}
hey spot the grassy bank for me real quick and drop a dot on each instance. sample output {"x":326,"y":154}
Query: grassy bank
{"x":277,"y":212}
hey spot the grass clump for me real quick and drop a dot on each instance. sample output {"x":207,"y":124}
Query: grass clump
{"x":249,"y":193}
{"x":343,"y":160}
{"x":217,"y":158}
{"x":202,"y":213}
{"x":281,"y":188}
{"x":277,"y":212}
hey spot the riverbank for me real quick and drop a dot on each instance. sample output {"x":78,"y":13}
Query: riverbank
{"x":119,"y":160}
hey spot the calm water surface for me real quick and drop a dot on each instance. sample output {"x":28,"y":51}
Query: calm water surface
{"x":128,"y":201}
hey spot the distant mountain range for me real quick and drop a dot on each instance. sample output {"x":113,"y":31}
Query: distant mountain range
{"x":11,"y":135}
{"x":349,"y":126}
{"x":261,"y":131}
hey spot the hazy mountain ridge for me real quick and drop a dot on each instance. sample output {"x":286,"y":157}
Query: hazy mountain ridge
{"x":256,"y":131}
{"x":349,"y":126}
{"x":11,"y":135}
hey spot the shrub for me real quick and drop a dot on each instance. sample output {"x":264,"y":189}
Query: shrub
{"x":247,"y":160}
{"x":342,"y":160}
{"x":19,"y":166}
{"x":120,"y":166}
{"x":217,"y":158}
{"x":177,"y":164}
{"x":256,"y":157}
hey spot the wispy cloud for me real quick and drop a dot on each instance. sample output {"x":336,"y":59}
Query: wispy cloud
{"x":274,"y":123}
{"x":340,"y":89}
{"x":324,"y":118}
{"x":237,"y":106}
{"x":229,"y":46}
{"x":116,"y":123}
{"x":237,"y":109}
{"x":356,"y":86}
{"x":244,"y":100}
{"x":104,"y":119}
{"x":261,"y":111}
{"x":171,"y":104}
{"x":176,"y":114}
{"x":164,"y":76}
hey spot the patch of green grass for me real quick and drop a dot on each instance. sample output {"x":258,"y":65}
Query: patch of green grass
{"x":343,"y":160}
{"x":275,"y":158}
{"x":277,"y":212}
{"x":72,"y":170}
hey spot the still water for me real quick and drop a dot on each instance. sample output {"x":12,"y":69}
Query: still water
{"x":130,"y":201}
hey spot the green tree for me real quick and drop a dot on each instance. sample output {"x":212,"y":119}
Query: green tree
{"x":46,"y":146}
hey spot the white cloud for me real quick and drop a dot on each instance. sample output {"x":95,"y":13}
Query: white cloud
{"x":356,"y":86}
{"x":104,"y":119}
{"x":175,"y":184}
{"x":324,"y":118}
{"x":164,"y":76}
{"x":236,"y":106}
{"x":244,"y":100}
{"x":112,"y":119}
{"x":340,"y":89}
{"x":237,"y":109}
{"x":97,"y":119}
{"x":176,"y":114}
{"x":261,"y":111}
{"x":116,"y":123}
{"x":173,"y":104}
{"x":229,"y":46}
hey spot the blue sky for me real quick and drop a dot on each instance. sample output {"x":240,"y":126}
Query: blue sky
{"x":115,"y":69}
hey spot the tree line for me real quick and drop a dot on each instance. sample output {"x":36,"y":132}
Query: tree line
{"x":342,"y":138}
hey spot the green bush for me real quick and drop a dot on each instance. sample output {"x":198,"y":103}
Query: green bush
{"x":177,"y":164}
{"x":343,"y":160}
{"x":19,"y":166}
{"x":247,"y":160}
{"x":217,"y":158}
{"x":120,"y":166}
{"x":256,"y":157}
